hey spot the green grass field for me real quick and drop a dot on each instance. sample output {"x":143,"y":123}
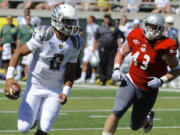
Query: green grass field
{"x":87,"y":110}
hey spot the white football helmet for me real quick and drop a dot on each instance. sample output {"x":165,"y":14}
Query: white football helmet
{"x":94,"y":61}
{"x":156,"y":32}
{"x":169,"y":19}
{"x":64,"y":18}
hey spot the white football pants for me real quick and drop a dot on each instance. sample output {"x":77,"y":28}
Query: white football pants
{"x":41,"y":105}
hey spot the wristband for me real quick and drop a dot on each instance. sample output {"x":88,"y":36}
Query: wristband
{"x":66,"y":90}
{"x":164,"y":79}
{"x":10,"y":72}
{"x":116,"y":66}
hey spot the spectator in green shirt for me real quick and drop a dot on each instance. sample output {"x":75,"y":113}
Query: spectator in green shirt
{"x":8,"y":36}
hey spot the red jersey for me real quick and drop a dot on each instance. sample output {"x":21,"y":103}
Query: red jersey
{"x":147,"y":60}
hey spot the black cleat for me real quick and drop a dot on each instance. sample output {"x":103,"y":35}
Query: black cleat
{"x":149,"y":125}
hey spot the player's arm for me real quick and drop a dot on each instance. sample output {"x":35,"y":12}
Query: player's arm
{"x":18,"y":42}
{"x":71,"y":69}
{"x":24,"y":50}
{"x":68,"y":81}
{"x":121,"y":53}
{"x":175,"y":71}
{"x":175,"y":68}
{"x":119,"y":42}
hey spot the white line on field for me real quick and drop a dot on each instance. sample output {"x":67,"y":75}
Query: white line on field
{"x":96,"y":87}
{"x":108,"y":98}
{"x":80,"y":129}
{"x":105,"y":116}
{"x":106,"y":110}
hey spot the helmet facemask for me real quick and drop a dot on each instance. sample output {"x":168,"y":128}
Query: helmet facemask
{"x":152,"y":31}
{"x":153,"y":26}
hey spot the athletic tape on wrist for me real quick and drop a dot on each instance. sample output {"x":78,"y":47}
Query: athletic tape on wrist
{"x":164,"y":79}
{"x":66,"y":90}
{"x":116,"y":66}
{"x":10,"y":72}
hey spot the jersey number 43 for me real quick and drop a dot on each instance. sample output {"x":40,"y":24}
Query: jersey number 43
{"x":145,"y":62}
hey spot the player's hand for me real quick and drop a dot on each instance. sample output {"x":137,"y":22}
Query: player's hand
{"x":154,"y":82}
{"x":9,"y":83}
{"x":63,"y":99}
{"x":117,"y":76}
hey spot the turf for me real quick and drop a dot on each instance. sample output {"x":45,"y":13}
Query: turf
{"x":87,"y":110}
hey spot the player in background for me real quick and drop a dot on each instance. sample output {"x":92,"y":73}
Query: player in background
{"x":151,"y":53}
{"x":8,"y":36}
{"x":24,"y":34}
{"x":51,"y":74}
{"x":91,"y":28}
{"x":172,"y":32}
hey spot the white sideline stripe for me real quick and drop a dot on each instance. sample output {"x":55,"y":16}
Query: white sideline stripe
{"x":95,"y":87}
{"x":105,"y":116}
{"x":114,"y":98}
{"x":108,"y":98}
{"x":79,"y":129}
{"x":98,"y":116}
{"x":107,"y":110}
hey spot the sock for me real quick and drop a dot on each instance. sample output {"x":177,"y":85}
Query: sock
{"x":93,"y":76}
{"x":106,"y":133}
{"x":83,"y":75}
{"x":19,"y":70}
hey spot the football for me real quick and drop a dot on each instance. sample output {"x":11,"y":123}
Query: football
{"x":14,"y":91}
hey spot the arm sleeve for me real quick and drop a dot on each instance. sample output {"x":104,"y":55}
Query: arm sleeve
{"x":172,"y":48}
{"x":129,"y":40}
{"x":76,"y":51}
{"x":37,"y":39}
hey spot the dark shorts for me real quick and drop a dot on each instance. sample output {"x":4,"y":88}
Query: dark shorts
{"x":142,"y":102}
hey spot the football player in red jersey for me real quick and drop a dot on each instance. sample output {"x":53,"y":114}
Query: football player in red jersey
{"x":151,"y":54}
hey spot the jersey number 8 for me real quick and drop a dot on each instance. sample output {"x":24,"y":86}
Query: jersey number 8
{"x":56,"y":61}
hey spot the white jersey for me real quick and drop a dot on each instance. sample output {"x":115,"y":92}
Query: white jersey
{"x":90,"y":30}
{"x":126,"y":28}
{"x":50,"y":56}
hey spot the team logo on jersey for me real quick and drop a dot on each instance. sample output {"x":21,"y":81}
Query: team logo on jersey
{"x":135,"y":41}
{"x":112,"y":28}
{"x":31,"y":30}
{"x":60,"y":46}
{"x":143,"y":48}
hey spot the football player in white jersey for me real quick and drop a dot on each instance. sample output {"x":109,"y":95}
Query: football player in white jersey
{"x":55,"y":51}
{"x":91,"y":28}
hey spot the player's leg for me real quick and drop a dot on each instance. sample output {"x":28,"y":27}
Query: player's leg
{"x":48,"y":112}
{"x":141,"y":108}
{"x":85,"y":60}
{"x":124,"y":98}
{"x":28,"y":111}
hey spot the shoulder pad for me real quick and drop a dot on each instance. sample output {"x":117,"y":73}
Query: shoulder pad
{"x":77,"y":41}
{"x":43,"y":33}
